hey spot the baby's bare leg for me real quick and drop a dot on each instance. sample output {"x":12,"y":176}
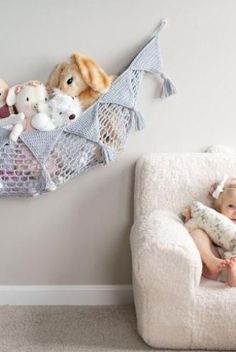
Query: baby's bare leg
{"x":231,"y":272}
{"x":212,"y":263}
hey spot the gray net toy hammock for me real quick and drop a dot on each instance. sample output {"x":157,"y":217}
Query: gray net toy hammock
{"x":42,"y":161}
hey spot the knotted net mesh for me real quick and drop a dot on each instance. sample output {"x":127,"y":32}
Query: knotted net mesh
{"x":21,"y":174}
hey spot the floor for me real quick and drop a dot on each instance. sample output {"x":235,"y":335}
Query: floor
{"x":69,"y":328}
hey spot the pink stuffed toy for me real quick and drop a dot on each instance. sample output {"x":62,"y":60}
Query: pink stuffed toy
{"x":25,"y":98}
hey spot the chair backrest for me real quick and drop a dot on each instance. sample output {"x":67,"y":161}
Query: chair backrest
{"x":166,"y":181}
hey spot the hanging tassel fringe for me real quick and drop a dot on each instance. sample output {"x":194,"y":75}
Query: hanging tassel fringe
{"x":108,"y":154}
{"x":49,"y":184}
{"x":138,"y":120}
{"x":168,"y":87}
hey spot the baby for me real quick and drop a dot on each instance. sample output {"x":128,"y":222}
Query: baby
{"x":223,"y":196}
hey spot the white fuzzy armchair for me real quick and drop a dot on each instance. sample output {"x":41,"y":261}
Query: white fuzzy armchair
{"x":175,"y":307}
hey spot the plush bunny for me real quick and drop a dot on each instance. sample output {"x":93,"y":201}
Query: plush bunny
{"x":59,"y":111}
{"x":82,"y":78}
{"x":7,"y":113}
{"x":24,"y":97}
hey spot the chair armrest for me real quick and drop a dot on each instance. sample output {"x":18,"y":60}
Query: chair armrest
{"x":163,"y":253}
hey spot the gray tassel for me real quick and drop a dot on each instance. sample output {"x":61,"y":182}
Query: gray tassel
{"x":49,"y":184}
{"x":168,"y":87}
{"x":139,"y":121}
{"x":108,"y":154}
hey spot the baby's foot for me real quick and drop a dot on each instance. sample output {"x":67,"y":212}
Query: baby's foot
{"x":231,"y":272}
{"x":213,"y":267}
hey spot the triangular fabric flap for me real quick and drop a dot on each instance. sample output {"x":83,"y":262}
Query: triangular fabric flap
{"x":87,"y":125}
{"x":121,"y":91}
{"x":4,"y":137}
{"x":41,"y":143}
{"x":149,"y":59}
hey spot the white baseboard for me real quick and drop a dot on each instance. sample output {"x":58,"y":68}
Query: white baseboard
{"x":66,"y":295}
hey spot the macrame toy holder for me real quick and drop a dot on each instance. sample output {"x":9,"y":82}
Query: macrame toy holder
{"x":42,"y":161}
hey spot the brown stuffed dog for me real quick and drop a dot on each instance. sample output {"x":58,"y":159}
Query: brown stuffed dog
{"x":82,"y":78}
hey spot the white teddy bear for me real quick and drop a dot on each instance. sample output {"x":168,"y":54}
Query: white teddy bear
{"x":57,"y":112}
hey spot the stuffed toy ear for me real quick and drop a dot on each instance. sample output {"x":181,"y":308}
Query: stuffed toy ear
{"x":12,"y":93}
{"x":54,"y":78}
{"x":94,"y":76}
{"x":49,"y":89}
{"x":3,"y":84}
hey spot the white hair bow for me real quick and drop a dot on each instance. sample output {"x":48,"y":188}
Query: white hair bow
{"x":220,"y":188}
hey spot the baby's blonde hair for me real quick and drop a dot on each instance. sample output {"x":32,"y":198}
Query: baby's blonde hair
{"x":229,"y":185}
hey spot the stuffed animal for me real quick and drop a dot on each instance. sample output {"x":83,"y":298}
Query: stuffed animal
{"x":5,"y":110}
{"x":82,"y":78}
{"x":7,"y":113}
{"x":219,"y":228}
{"x":59,"y":111}
{"x":24,"y":97}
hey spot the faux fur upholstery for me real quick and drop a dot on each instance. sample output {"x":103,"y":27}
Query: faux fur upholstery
{"x":175,"y":307}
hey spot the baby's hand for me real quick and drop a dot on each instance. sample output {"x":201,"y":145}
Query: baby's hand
{"x":186,"y":214}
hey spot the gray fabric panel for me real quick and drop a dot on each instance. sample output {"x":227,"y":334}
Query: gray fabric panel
{"x":4,"y":137}
{"x":149,"y":59}
{"x":86,"y":125}
{"x":41,"y":143}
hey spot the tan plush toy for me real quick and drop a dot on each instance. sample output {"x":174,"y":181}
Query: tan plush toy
{"x":82,"y":78}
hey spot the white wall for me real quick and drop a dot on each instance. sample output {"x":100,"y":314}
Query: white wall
{"x":80,"y":234}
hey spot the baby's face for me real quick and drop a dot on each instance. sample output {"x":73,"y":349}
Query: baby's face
{"x":228,"y":204}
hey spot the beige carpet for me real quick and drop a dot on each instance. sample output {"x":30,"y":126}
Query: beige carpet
{"x":67,"y":329}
